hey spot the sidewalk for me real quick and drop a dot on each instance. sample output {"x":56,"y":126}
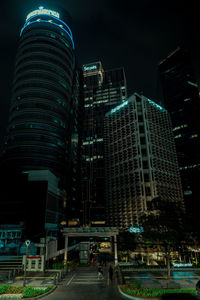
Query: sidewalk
{"x":181,"y":279}
{"x":36,"y":279}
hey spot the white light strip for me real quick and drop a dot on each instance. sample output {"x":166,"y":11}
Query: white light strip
{"x":42,"y":11}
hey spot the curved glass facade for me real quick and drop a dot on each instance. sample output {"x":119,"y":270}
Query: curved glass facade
{"x":38,"y":129}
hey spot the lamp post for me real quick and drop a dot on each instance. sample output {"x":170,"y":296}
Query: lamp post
{"x":27,"y":243}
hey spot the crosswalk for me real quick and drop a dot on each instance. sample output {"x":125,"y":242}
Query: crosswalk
{"x":86,"y":278}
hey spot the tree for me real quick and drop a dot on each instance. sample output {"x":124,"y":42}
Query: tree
{"x":163,"y":226}
{"x":126,"y":242}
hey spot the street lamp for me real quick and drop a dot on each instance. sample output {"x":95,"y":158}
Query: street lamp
{"x":27,"y":243}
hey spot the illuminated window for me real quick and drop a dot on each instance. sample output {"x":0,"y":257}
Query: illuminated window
{"x":178,"y":136}
{"x":180,"y":127}
{"x":194,"y":136}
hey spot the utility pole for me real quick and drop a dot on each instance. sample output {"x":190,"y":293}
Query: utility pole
{"x":168,"y":261}
{"x":27,"y":243}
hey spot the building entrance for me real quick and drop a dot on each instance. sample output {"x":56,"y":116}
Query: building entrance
{"x":104,"y":232}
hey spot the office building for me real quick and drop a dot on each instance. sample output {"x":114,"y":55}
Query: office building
{"x":140,"y":160}
{"x":41,"y":98}
{"x":181,"y":99}
{"x":102,"y":91}
{"x":42,"y":134}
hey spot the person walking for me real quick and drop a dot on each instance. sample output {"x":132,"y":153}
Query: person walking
{"x":110,"y":270}
{"x":100,"y":272}
{"x":91,"y":257}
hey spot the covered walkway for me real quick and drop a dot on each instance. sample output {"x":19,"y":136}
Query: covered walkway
{"x":91,"y":232}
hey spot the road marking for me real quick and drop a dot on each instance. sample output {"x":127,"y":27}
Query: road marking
{"x":81,"y":282}
{"x":89,"y":276}
{"x":70,"y":280}
{"x":163,"y":277}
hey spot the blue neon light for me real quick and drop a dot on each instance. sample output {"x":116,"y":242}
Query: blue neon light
{"x":44,"y":21}
{"x":73,"y":60}
{"x":119,"y":107}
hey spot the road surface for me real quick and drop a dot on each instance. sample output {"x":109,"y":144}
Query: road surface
{"x":83,"y":284}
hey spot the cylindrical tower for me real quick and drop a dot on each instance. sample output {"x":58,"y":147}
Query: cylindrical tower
{"x":38,"y":127}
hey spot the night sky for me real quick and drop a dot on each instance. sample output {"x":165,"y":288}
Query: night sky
{"x":133,"y":34}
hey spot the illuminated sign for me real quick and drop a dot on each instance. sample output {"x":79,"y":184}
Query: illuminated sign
{"x":119,"y":107}
{"x":136,"y":229}
{"x":42,"y":11}
{"x":156,"y":105}
{"x":94,"y":67}
{"x":178,"y":265}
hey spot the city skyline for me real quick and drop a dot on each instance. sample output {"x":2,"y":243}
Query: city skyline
{"x":136,"y":39}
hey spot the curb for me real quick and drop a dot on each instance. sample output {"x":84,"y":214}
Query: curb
{"x":134,"y":297}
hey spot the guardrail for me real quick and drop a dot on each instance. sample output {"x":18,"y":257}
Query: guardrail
{"x":39,"y":277}
{"x":11,"y":265}
{"x":59,"y":275}
{"x":10,"y":262}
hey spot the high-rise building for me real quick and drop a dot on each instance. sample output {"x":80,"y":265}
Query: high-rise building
{"x":140,"y":160}
{"x":38,"y":133}
{"x":181,"y":99}
{"x":42,"y":134}
{"x":102,"y":91}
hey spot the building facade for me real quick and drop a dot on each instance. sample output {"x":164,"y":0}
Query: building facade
{"x":42,"y":134}
{"x":102,"y":91}
{"x":38,"y":127}
{"x":140,"y":160}
{"x":181,"y":99}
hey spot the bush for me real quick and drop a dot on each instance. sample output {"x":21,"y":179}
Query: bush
{"x":26,"y":291}
{"x":15,"y":290}
{"x":58,"y":266}
{"x":33,"y":292}
{"x":3,"y":288}
{"x":136,"y":290}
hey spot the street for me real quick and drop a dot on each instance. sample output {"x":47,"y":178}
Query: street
{"x":83,"y":284}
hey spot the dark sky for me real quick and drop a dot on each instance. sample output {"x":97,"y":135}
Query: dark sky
{"x":133,"y":34}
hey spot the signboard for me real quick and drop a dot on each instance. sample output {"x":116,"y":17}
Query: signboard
{"x":42,"y":11}
{"x":180,"y":264}
{"x":27,"y":243}
{"x":90,"y":68}
{"x":136,"y":229}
